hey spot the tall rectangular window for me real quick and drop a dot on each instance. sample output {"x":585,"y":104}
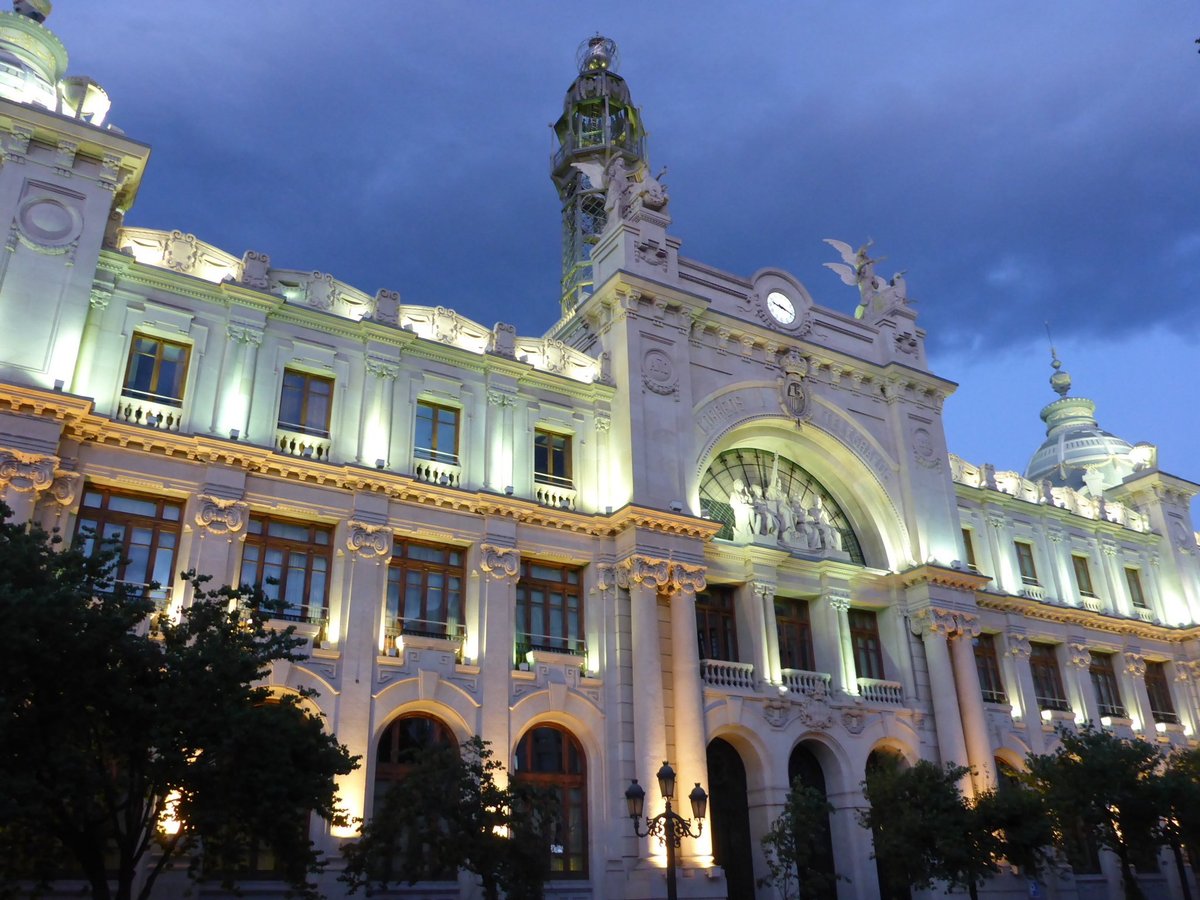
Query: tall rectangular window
{"x":1133,"y":578}
{"x":425,"y":590}
{"x":988,"y":666}
{"x":969,"y":547}
{"x":1047,"y":678}
{"x":156,"y":370}
{"x":794,"y":626}
{"x":716,"y":624}
{"x":1083,"y":575}
{"x":305,"y":403}
{"x":552,"y":458}
{"x":1162,"y":708}
{"x":1025,"y":563}
{"x":864,"y":637}
{"x":437,"y":433}
{"x":296,"y":558}
{"x":549,"y":613}
{"x":145,"y":530}
{"x":1104,"y":680}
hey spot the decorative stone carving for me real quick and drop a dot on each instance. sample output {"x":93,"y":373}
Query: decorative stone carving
{"x":369,"y":541}
{"x":16,"y":144}
{"x":387,"y":307}
{"x":688,"y":578}
{"x":180,"y":251}
{"x":381,"y":368}
{"x":605,"y":375}
{"x":110,"y":172}
{"x":503,"y":340}
{"x":967,"y":625}
{"x":500,"y":398}
{"x":935,"y":621}
{"x":217,"y":515}
{"x":606,"y":576}
{"x":321,"y":291}
{"x":645,"y":570}
{"x":793,"y":395}
{"x":603,"y":423}
{"x":446,"y":325}
{"x":1079,"y":656}
{"x":101,"y":295}
{"x":1018,"y":646}
{"x":764,"y":589}
{"x":839,"y":600}
{"x":658,"y":372}
{"x":924,"y":453}
{"x":241,"y":333}
{"x":255,"y":267}
{"x":1135,"y":664}
{"x":854,"y":721}
{"x":777,"y":712}
{"x":64,"y":157}
{"x":26,"y":472}
{"x":500,"y":562}
{"x":64,"y":490}
{"x":906,"y":343}
{"x":49,"y":223}
{"x":815,"y":712}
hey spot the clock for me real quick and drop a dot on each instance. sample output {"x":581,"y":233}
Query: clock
{"x":781,"y":308}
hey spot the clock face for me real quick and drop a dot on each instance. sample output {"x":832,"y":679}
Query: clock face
{"x":782,"y":309}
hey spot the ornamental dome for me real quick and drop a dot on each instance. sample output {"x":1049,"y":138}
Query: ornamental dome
{"x":1077,"y":452}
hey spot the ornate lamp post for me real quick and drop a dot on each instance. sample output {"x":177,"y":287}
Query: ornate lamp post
{"x":668,"y":826}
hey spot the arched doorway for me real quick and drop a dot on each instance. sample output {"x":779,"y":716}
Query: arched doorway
{"x":805,"y":768}
{"x":551,"y":757}
{"x":888,"y":890}
{"x":730,"y":817}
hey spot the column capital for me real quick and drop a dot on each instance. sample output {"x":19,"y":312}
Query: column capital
{"x":968,"y":625}
{"x":369,"y":541}
{"x":688,"y":578}
{"x":606,"y":576}
{"x":1079,"y":656}
{"x":1135,"y":664}
{"x":26,"y":472}
{"x":1018,"y":646}
{"x":244,"y":333}
{"x":382,"y":369}
{"x":932,"y":620}
{"x":838,"y":598}
{"x":647,"y":571}
{"x":765,"y":589}
{"x":218,"y":515}
{"x":500,"y":563}
{"x":1187,"y":670}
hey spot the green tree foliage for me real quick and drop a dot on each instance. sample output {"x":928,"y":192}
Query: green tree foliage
{"x":1109,"y":788}
{"x":795,"y":847}
{"x":108,"y":726}
{"x":924,"y":830}
{"x":1018,"y":818}
{"x":450,"y":813}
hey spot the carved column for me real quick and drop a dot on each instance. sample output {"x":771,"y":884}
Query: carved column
{"x":1186,"y":672}
{"x":1116,"y":589}
{"x":60,"y":502}
{"x":844,"y":675}
{"x":237,"y":393}
{"x":375,"y":419}
{"x":769,"y":662}
{"x":85,"y":381}
{"x":500,"y":568}
{"x":970,"y":703}
{"x":934,"y":626}
{"x":1079,"y":662}
{"x":498,"y":461}
{"x":220,"y":526}
{"x":645,"y":578}
{"x":691,"y":743}
{"x":1135,"y":682}
{"x":1017,"y":651}
{"x":368,"y":552}
{"x":1006,"y":574}
{"x":23,"y":476}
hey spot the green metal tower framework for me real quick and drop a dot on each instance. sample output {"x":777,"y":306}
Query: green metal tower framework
{"x":599,"y":122}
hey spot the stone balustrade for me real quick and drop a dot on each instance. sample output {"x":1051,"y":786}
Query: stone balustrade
{"x":723,"y":673}
{"x":875,"y":690}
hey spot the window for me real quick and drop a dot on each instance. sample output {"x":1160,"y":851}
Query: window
{"x":1161,"y":707}
{"x":1083,"y":575}
{"x":437,"y":433}
{"x":551,"y":758}
{"x":969,"y":547}
{"x":296,"y":556}
{"x":716,"y":626}
{"x":424,"y":590}
{"x":795,"y":635}
{"x":1025,"y":562}
{"x":988,"y":666}
{"x":549,"y":608}
{"x":156,"y":370}
{"x":305,"y":403}
{"x":402,"y":740}
{"x":864,"y":637}
{"x":1104,"y":680}
{"x":145,"y":530}
{"x":1047,"y":679}
{"x":552,"y":458}
{"x":1133,"y":578}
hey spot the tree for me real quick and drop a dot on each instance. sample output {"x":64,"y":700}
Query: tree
{"x":924,"y":830}
{"x":1108,"y":788}
{"x":795,"y":846}
{"x":1180,"y":790}
{"x":1016,"y":815}
{"x":451,"y":813}
{"x":117,"y":738}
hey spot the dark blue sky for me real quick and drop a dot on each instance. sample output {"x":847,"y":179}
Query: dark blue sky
{"x":1023,"y":161}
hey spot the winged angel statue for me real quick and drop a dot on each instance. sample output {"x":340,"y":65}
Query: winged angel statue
{"x":858,"y":270}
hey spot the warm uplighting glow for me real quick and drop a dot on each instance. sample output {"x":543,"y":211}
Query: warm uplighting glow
{"x":1160,"y":727}
{"x":344,"y":831}
{"x":1106,"y":721}
{"x":1047,"y":715}
{"x":168,"y":822}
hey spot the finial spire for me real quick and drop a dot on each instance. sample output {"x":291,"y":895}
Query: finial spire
{"x":37,"y":10}
{"x":1060,"y":380}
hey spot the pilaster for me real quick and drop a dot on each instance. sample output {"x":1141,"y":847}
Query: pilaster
{"x":934,"y":627}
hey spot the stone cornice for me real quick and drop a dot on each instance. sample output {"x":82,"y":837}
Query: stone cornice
{"x":983,"y":496}
{"x":942,"y":576}
{"x":1083,"y":618}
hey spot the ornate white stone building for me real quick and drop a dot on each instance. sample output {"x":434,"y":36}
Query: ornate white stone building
{"x":704,"y":518}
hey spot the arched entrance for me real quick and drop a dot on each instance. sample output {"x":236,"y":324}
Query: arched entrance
{"x":804,"y":767}
{"x":730,"y":817}
{"x":889,"y":888}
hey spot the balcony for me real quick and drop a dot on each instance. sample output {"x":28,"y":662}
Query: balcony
{"x":1053,"y":704}
{"x":436,"y":468}
{"x":1033,"y":592}
{"x":876,"y":690}
{"x":800,"y":681}
{"x":723,"y":673}
{"x":1146,"y":615}
{"x":547,"y":648}
{"x":302,"y":444}
{"x":1092,"y":602}
{"x":550,"y":490}
{"x":423,"y":634}
{"x":160,"y":412}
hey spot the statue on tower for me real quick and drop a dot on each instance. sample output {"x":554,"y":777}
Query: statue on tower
{"x":858,"y":270}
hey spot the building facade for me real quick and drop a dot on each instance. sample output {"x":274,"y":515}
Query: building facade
{"x":702,"y":519}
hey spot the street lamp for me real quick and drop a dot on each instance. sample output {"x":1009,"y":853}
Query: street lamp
{"x":668,"y":826}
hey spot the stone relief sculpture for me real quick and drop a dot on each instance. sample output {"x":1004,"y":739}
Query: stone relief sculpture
{"x":858,"y":270}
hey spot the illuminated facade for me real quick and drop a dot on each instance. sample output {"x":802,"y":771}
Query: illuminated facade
{"x":703,"y":519}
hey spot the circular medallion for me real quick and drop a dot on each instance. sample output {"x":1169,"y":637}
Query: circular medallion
{"x":658,"y":372}
{"x":49,"y":222}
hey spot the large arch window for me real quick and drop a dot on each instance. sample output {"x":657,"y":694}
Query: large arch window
{"x":399,"y":745}
{"x":551,"y":757}
{"x":756,"y":470}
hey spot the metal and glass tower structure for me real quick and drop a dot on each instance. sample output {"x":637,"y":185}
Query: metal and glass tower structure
{"x":599,"y":122}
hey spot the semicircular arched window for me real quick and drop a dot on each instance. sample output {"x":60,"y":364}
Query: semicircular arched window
{"x":756,"y":494}
{"x":551,"y":758}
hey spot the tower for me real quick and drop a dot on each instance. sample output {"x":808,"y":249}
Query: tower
{"x":599,"y":123}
